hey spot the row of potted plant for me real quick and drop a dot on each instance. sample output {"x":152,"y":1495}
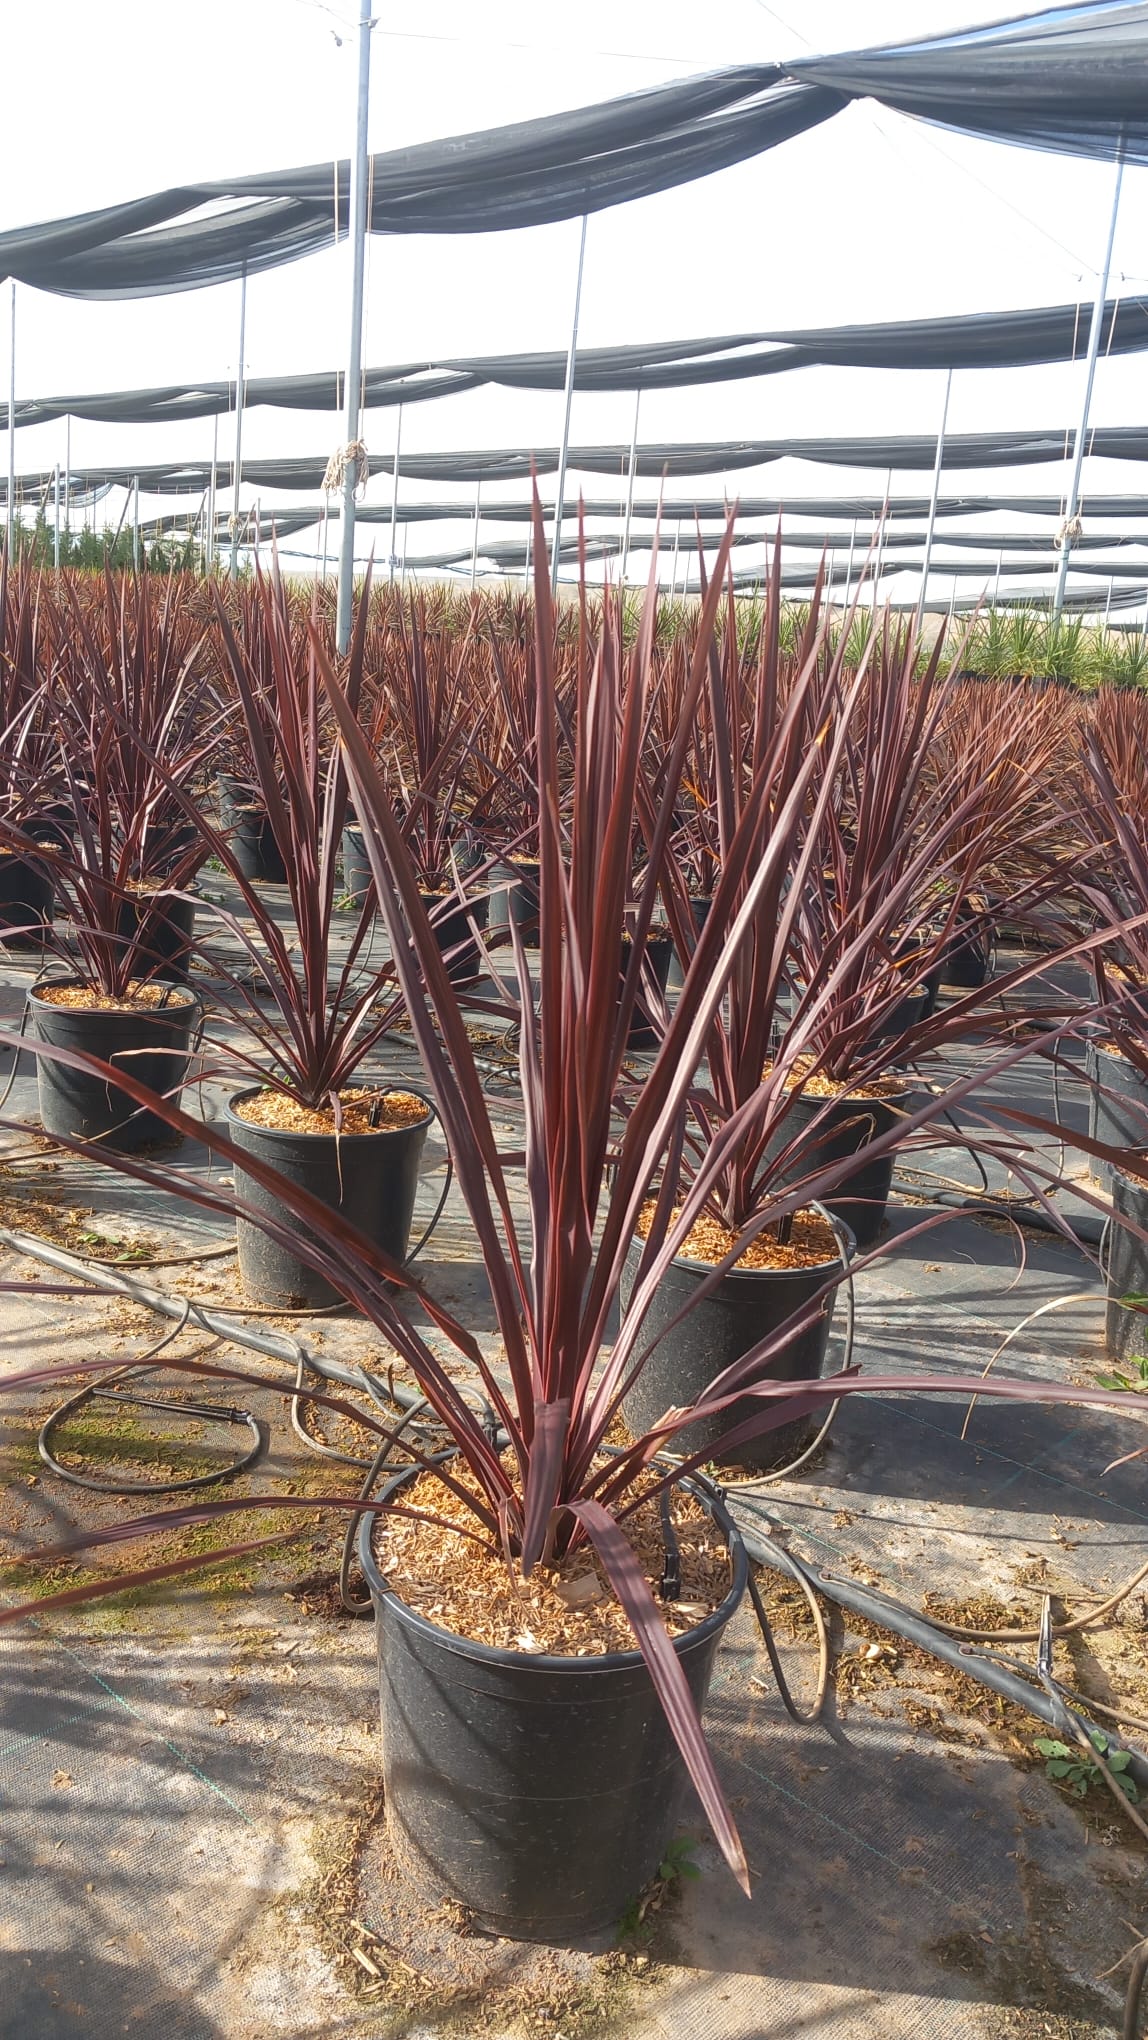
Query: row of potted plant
{"x":847,"y":827}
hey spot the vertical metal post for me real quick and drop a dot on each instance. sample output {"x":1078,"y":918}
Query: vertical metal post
{"x":395,"y":493}
{"x":10,"y":507}
{"x":564,"y":450}
{"x":237,"y":477}
{"x":68,"y":479}
{"x":932,"y":522}
{"x":474,"y":546}
{"x":1073,"y":504}
{"x":323,"y":574}
{"x":56,"y":498}
{"x":360,"y":173}
{"x":881,"y":528}
{"x":849,"y":563}
{"x":136,"y":525}
{"x":630,"y":490}
{"x":258,"y":520}
{"x":997,"y":581}
{"x":209,"y":549}
{"x":1108,"y":605}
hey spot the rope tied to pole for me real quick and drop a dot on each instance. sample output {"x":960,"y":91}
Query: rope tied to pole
{"x":1070,"y":532}
{"x":351,"y":458}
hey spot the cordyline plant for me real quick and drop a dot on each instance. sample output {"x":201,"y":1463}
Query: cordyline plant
{"x":547,"y":1484}
{"x":31,"y":779}
{"x":312,"y":1032}
{"x":129,"y":706}
{"x":1113,"y":883}
{"x":856,"y":837}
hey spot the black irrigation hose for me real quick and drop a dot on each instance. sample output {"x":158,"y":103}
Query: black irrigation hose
{"x":886,"y":1613}
{"x":1086,"y":1227}
{"x":214,"y":1413}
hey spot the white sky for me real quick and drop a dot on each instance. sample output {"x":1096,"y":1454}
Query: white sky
{"x":870,"y":216}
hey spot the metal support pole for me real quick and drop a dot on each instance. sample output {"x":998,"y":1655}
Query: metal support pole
{"x":136,"y":525}
{"x":1108,"y":605}
{"x":209,"y":549}
{"x":630,"y":490}
{"x":880,"y":564}
{"x":360,"y":173}
{"x":395,"y":494}
{"x":569,"y":399}
{"x":323,"y":574}
{"x":1073,"y":505}
{"x":10,"y":507}
{"x":933,"y":499}
{"x":237,"y":477}
{"x":56,"y":496}
{"x":997,"y":581}
{"x":68,"y":479}
{"x":257,"y":524}
{"x":474,"y":546}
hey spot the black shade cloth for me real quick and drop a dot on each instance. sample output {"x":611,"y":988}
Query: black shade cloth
{"x":973,"y":340}
{"x":1072,"y":79}
{"x":905,"y":451}
{"x":525,"y":174}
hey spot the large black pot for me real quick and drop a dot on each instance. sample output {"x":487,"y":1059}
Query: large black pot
{"x":516,"y":905}
{"x":700,"y":905}
{"x":169,"y":935}
{"x":1125,"y":1326}
{"x":370,"y":1179}
{"x":357,"y":875}
{"x":151,"y":1043}
{"x":967,"y":954}
{"x":464,"y":959}
{"x":1117,"y":1103}
{"x":26,"y":901}
{"x":847,"y":1128}
{"x":539,"y":1792}
{"x":248,"y":826}
{"x":642,"y":1034}
{"x":747,"y":1305}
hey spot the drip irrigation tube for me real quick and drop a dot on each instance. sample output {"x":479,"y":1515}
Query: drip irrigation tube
{"x":1087,"y":1228}
{"x":886,"y":1613}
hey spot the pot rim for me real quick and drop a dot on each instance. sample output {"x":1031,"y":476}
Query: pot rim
{"x":530,"y":1661}
{"x":774,"y":1274}
{"x":180,"y":997}
{"x":287,"y":1133}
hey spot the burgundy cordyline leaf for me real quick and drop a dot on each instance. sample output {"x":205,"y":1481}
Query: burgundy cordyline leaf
{"x":633,"y":1591}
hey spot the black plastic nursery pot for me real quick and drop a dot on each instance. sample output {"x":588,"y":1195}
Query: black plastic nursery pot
{"x":517,"y":904}
{"x":464,"y":959}
{"x":169,"y":934}
{"x":357,"y":875}
{"x":965,"y":964}
{"x":700,"y":904}
{"x":915,"y":1005}
{"x":370,"y":1179}
{"x":539,"y":1792}
{"x":847,"y":1128}
{"x":641,"y":1033}
{"x":1117,"y":1103}
{"x":745,"y":1306}
{"x":252,"y":839}
{"x":151,"y":1043}
{"x":1125,"y":1326}
{"x":26,"y":901}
